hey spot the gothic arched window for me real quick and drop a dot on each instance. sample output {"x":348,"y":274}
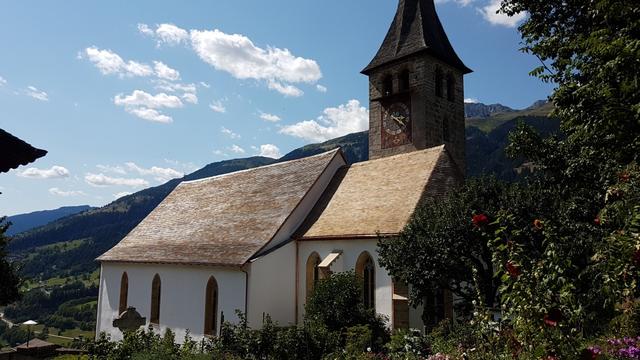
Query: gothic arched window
{"x":124,"y":293}
{"x":211,"y":307}
{"x":313,"y":272}
{"x":404,"y":80}
{"x":451,"y":87}
{"x":439,"y":82}
{"x":155,"y":300}
{"x":366,"y":270}
{"x":387,"y":85}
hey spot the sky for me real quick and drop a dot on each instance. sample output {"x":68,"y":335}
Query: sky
{"x":126,"y":95}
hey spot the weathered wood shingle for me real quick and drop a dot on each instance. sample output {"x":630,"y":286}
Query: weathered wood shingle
{"x":379,"y":196}
{"x":222,"y":220}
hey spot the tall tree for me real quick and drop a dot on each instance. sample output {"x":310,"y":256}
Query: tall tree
{"x":9,"y":279}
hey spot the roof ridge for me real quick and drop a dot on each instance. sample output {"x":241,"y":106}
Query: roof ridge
{"x":439,"y":148}
{"x":258,"y":167}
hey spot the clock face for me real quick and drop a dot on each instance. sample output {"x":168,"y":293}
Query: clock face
{"x":396,"y":125}
{"x":396,"y":119}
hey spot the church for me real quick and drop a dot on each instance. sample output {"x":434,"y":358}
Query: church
{"x":258,"y":240}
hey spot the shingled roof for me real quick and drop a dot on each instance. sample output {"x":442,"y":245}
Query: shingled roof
{"x":379,"y":196}
{"x":416,"y":27}
{"x":222,"y":220}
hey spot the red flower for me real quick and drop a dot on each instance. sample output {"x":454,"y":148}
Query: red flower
{"x":636,"y":258}
{"x":537,"y":224}
{"x":513,"y":269}
{"x":624,"y":177}
{"x":596,"y":221}
{"x":480,"y":220}
{"x":553,"y":317}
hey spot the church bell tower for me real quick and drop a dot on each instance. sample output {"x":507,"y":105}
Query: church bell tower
{"x":416,"y":88}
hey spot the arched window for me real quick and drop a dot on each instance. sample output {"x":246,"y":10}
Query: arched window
{"x":446,"y":132}
{"x":124,"y":293}
{"x":404,"y":80}
{"x":451,"y":87}
{"x":439,"y":81}
{"x":387,"y":85}
{"x":155,"y":300}
{"x":366,"y":270}
{"x":211,"y":307}
{"x":313,"y":273}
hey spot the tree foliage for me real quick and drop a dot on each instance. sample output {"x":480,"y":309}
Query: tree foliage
{"x":9,"y":279}
{"x":591,"y":50}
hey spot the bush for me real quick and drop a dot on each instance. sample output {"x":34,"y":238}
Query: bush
{"x":336,"y":302}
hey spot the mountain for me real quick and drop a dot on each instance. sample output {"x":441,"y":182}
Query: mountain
{"x":68,"y":246}
{"x":540,"y":108}
{"x":482,"y":111}
{"x":24,"y":222}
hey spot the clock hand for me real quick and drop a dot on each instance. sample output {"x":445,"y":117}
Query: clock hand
{"x":399,"y":121}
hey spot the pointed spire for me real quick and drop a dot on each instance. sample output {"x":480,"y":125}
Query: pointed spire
{"x":415,"y":28}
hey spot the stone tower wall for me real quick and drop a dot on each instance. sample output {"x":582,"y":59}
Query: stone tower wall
{"x":428,"y":111}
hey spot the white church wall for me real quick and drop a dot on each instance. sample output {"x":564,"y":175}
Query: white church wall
{"x":303,"y":209}
{"x":272,"y":287}
{"x":351,"y":250}
{"x":182,"y":298}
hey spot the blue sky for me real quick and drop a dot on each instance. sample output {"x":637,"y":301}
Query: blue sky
{"x":128,"y":94}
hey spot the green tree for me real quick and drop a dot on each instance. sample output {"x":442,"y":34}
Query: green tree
{"x":441,"y":248}
{"x":336,"y":303}
{"x":9,"y":279}
{"x":591,"y":50}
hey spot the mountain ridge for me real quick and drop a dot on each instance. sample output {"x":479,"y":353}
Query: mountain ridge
{"x":97,"y":230}
{"x":31,"y":220}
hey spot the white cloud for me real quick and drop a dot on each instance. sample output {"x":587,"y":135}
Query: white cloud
{"x":229,"y":133}
{"x":165,"y":34}
{"x":190,"y":98}
{"x":55,"y":172}
{"x":2,"y":81}
{"x":236,"y":149}
{"x":37,"y":94}
{"x":459,"y":2}
{"x":113,"y":169}
{"x":144,"y":105}
{"x":158,"y":173}
{"x":165,"y":72}
{"x":141,"y":98}
{"x":286,"y":90}
{"x":237,"y":55}
{"x":321,"y":88}
{"x":219,"y":153}
{"x":108,"y":62}
{"x":471,"y":101}
{"x":170,"y":34}
{"x":101,"y":180}
{"x":56,"y":191}
{"x":334,"y":122}
{"x":121,"y":194}
{"x":217,"y":106}
{"x":145,"y":30}
{"x":204,"y":84}
{"x":269,"y":117}
{"x":175,"y":87}
{"x":150,"y":115}
{"x":270,"y":150}
{"x":489,"y":12}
